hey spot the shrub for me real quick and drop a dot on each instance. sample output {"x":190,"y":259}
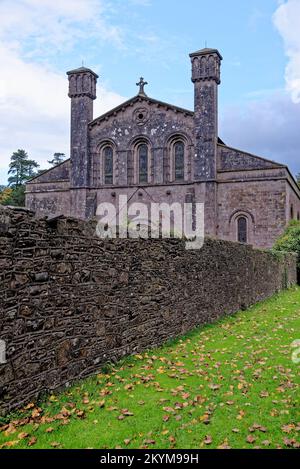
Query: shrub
{"x":289,"y":241}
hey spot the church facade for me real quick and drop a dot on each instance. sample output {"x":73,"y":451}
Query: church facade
{"x":156,"y":152}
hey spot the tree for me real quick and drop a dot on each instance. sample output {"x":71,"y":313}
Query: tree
{"x":21,"y":168}
{"x":57,"y":159}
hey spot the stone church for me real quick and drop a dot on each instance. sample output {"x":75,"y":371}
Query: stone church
{"x":155,"y":151}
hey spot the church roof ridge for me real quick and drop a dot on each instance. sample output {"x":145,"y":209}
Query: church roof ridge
{"x":144,"y":98}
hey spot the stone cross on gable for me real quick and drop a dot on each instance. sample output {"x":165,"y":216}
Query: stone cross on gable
{"x":142,"y":84}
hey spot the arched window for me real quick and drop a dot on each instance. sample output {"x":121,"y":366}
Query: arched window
{"x":143,"y":162}
{"x":242,"y":229}
{"x":108,"y":157}
{"x":298,"y":216}
{"x":179,"y":161}
{"x":292,"y":212}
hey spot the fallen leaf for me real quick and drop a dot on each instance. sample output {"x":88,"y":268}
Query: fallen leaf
{"x":224,"y":445}
{"x":55,"y":444}
{"x":266,"y":443}
{"x":127,"y":387}
{"x":32,"y":441}
{"x":29,"y":406}
{"x":150,"y":442}
{"x":214,"y":387}
{"x":8,"y":444}
{"x":36,"y":413}
{"x":126,"y":413}
{"x":208,"y":440}
{"x":288,"y":428}
{"x":10,"y":430}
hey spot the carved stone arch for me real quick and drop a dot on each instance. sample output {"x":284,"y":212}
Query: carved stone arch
{"x":171,"y":142}
{"x":196,"y":65}
{"x":135,"y":154}
{"x":235,"y":225}
{"x":211,"y":65}
{"x":73,"y":88}
{"x":101,"y":155}
{"x":203,"y":65}
{"x":105,"y":142}
{"x":86,"y":83}
{"x":139,"y":138}
{"x":242,"y":211}
{"x":79,"y":83}
{"x":180,"y":134}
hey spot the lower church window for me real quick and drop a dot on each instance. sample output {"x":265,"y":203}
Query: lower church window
{"x":108,"y":165}
{"x":242,"y":229}
{"x":292,"y":212}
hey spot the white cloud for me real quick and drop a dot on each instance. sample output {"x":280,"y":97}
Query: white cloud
{"x":286,"y":19}
{"x":34,"y":106}
{"x":48,"y":26}
{"x":268,"y":127}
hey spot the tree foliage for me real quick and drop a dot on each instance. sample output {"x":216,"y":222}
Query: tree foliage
{"x":21,"y":168}
{"x":16,"y":197}
{"x":57,"y":159}
{"x":5,"y":194}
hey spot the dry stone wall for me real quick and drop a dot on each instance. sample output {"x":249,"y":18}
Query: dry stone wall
{"x":70,"y":302}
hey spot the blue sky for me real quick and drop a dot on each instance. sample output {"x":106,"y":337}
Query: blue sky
{"x":124,"y":39}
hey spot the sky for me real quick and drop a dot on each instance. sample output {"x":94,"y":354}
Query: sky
{"x":121,"y":40}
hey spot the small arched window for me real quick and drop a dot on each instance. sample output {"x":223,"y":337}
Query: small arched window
{"x":108,"y":156}
{"x":298,"y":216}
{"x":179,"y":161}
{"x":292,"y":212}
{"x":143,"y":162}
{"x":242,"y":229}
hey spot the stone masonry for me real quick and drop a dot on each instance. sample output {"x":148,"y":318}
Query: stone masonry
{"x":71,"y":302}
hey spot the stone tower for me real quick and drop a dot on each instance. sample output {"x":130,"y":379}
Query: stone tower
{"x":206,"y":78}
{"x":82,"y":91}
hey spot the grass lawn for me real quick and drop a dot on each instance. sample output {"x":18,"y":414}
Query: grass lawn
{"x":230,"y":384}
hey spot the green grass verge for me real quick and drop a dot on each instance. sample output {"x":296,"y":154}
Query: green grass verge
{"x":229,"y":384}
